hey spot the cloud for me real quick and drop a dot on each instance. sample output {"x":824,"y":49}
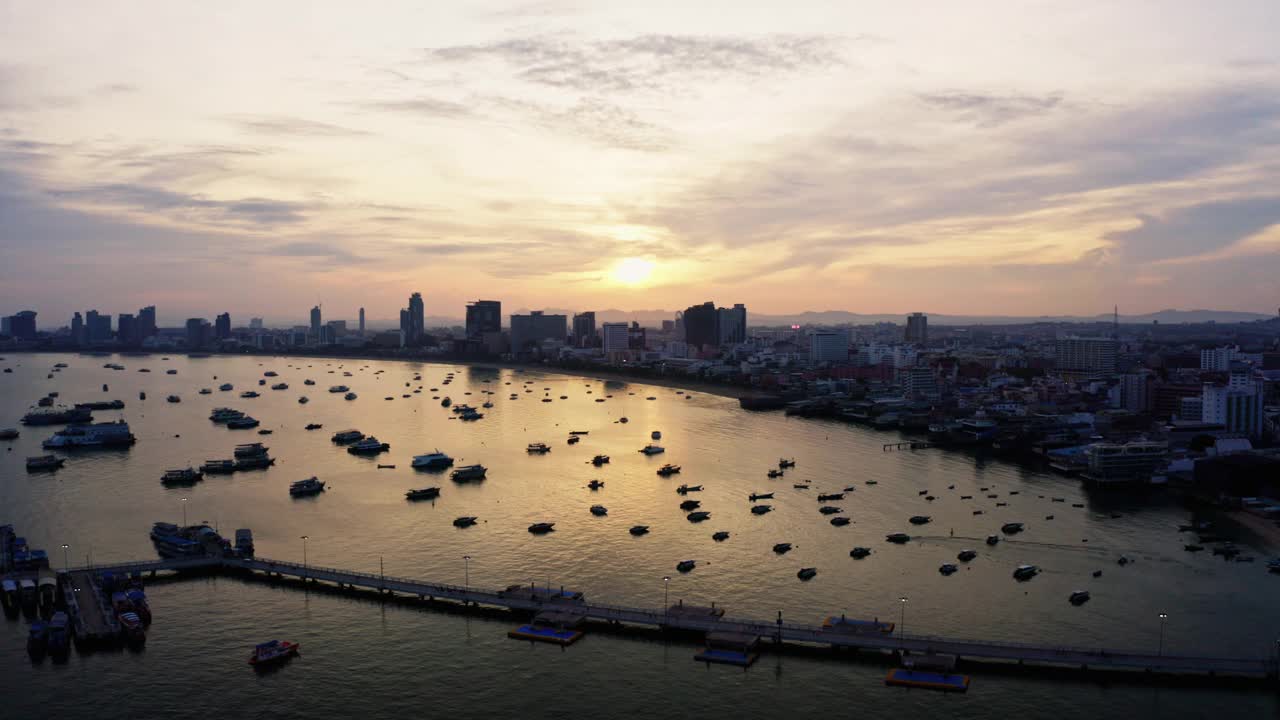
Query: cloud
{"x":646,"y":62}
{"x":332,"y":251}
{"x":1195,"y":230}
{"x":292,"y":126}
{"x":250,"y":211}
{"x":424,"y":107}
{"x":990,"y":111}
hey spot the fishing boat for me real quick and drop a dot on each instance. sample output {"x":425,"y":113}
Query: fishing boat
{"x":1025,"y":572}
{"x":782,"y":548}
{"x":898,"y":538}
{"x":431,"y":461}
{"x":840,"y":521}
{"x":1079,"y":597}
{"x":668,"y":470}
{"x":688,"y":505}
{"x":244,"y":542}
{"x":310,"y":486}
{"x":173,"y":399}
{"x":59,"y":636}
{"x":639,"y":529}
{"x":652,"y":449}
{"x":338,"y":389}
{"x":807,"y":573}
{"x":760,"y":496}
{"x":244,"y":422}
{"x":464,"y":521}
{"x":655,"y":435}
{"x":44,"y":462}
{"x":1011,"y":528}
{"x":775,"y":473}
{"x":686,"y":489}
{"x":784,"y":463}
{"x":132,"y":628}
{"x":698,"y":516}
{"x":761,"y":509}
{"x":538,"y":448}
{"x":967,"y":555}
{"x":542,"y":528}
{"x":248,"y":450}
{"x":369,"y":446}
{"x":304,"y":400}
{"x":595,"y":484}
{"x":427,"y":493}
{"x":350,"y":396}
{"x":600,"y":460}
{"x":184,"y":476}
{"x":224,"y":415}
{"x":313,"y":426}
{"x":947,"y":568}
{"x":272,"y":652}
{"x":218,"y":467}
{"x":468,"y":472}
{"x":346,"y":437}
{"x":859,"y":552}
{"x":685,"y":566}
{"x":37,"y":640}
{"x":573,"y":439}
{"x":993,"y":539}
{"x":919,"y":519}
{"x":830,"y":510}
{"x":249,"y":394}
{"x":599,"y":510}
{"x":720,"y":535}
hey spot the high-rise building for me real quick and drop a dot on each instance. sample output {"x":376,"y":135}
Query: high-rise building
{"x":829,"y":346}
{"x":917,"y":328}
{"x":1237,"y":407}
{"x":147,"y":322}
{"x":361,"y":322}
{"x":483,"y":317}
{"x":1086,"y":357}
{"x":127,"y":329}
{"x":406,"y":327}
{"x":315,"y":323}
{"x":584,"y":329}
{"x":1217,"y":359}
{"x":702,"y":325}
{"x":732,"y":324}
{"x":530,"y":331}
{"x":1136,"y":392}
{"x":919,"y":382}
{"x":22,"y":325}
{"x":77,"y":329}
{"x":255,"y":323}
{"x":97,"y":327}
{"x":616,"y":337}
{"x":222,"y":326}
{"x":197,"y":333}
{"x":417,"y":319}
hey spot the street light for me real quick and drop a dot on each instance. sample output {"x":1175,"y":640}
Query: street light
{"x":304,"y":556}
{"x":66,"y":561}
{"x":666,"y":606}
{"x":902,"y":620}
{"x":1163,"y":617}
{"x":184,"y":512}
{"x":466,"y":572}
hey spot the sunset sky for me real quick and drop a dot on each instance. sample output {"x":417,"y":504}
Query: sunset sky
{"x":1005,"y":158}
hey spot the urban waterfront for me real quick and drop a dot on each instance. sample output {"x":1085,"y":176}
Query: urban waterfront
{"x":102,"y":505}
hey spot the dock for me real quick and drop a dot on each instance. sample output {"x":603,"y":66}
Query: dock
{"x":93,"y":622}
{"x":907,"y":445}
{"x":703,"y":620}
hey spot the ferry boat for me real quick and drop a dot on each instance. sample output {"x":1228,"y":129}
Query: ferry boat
{"x":600,"y":460}
{"x":538,"y":448}
{"x":218,"y":467}
{"x":369,"y":446}
{"x":44,"y":462}
{"x":542,"y":528}
{"x":668,"y":470}
{"x":272,"y":652}
{"x":249,"y":450}
{"x":338,"y":389}
{"x":599,"y":510}
{"x":698,"y":516}
{"x":464,"y":521}
{"x":639,"y":530}
{"x":109,"y":434}
{"x":428,"y":493}
{"x":431,"y":461}
{"x":58,"y":416}
{"x":652,"y":449}
{"x":244,"y":542}
{"x":185,"y":476}
{"x":223,"y":415}
{"x":310,"y":486}
{"x":344,"y":437}
{"x":468,"y":472}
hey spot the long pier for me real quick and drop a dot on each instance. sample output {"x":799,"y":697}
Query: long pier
{"x":536,"y":599}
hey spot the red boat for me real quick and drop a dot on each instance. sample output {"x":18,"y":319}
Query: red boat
{"x":273,"y":651}
{"x":131,"y":624}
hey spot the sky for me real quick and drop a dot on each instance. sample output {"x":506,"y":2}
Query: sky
{"x":1027,"y":157}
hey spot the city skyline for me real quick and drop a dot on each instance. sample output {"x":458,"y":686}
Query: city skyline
{"x":867,"y":159}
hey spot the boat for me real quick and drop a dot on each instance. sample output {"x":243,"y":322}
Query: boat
{"x":599,"y":510}
{"x":468,"y":472}
{"x":37,"y":640}
{"x":313,"y":426}
{"x":720,"y":535}
{"x":652,"y":449}
{"x":349,"y":396}
{"x":698,"y":516}
{"x":595,"y":484}
{"x":248,"y":394}
{"x":807,"y":573}
{"x":427,"y":493}
{"x":1192,"y":547}
{"x":132,"y":627}
{"x":688,"y":505}
{"x":840,"y":521}
{"x":344,"y":437}
{"x":225,"y":387}
{"x":685,"y":566}
{"x":898,"y":538}
{"x":431,"y":461}
{"x":993,"y":539}
{"x":656,"y":435}
{"x":830,"y":510}
{"x":308,"y":381}
{"x":686,"y":489}
{"x":45,"y":401}
{"x":920,"y":519}
{"x":44,"y":462}
{"x":573,"y":439}
{"x":206,"y":391}
{"x":464,"y":521}
{"x":270,"y":373}
{"x":760,"y":509}
{"x":224,"y":415}
{"x":339,"y":389}
{"x":102,"y":405}
{"x":782,"y":548}
{"x":1079,"y":597}
{"x":802,"y":486}
{"x":947,"y":568}
{"x":784,"y":463}
{"x":760,"y":496}
{"x":1025,"y":572}
{"x":859,"y":552}
{"x":244,"y":422}
{"x":542,"y":528}
{"x":173,"y":399}
{"x":310,"y":486}
{"x":639,"y":529}
{"x":967,"y":555}
{"x":538,"y":448}
{"x":244,"y":542}
{"x":59,"y":636}
{"x":272,"y":652}
{"x":369,"y":446}
{"x":185,"y":476}
{"x":446,"y":402}
{"x":824,"y":497}
{"x":218,"y":467}
{"x":255,"y":463}
{"x":1011,"y":528}
{"x":668,"y":470}
{"x":108,"y":434}
{"x":600,"y":460}
{"x":57,"y":416}
{"x":249,"y":450}
{"x":775,"y":473}
{"x":623,"y":420}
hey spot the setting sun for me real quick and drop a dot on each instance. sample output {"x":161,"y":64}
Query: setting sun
{"x":632,"y":271}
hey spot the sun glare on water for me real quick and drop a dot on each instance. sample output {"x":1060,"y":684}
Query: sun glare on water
{"x":632,"y":271}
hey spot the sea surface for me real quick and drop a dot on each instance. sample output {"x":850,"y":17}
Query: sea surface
{"x":396,"y":660}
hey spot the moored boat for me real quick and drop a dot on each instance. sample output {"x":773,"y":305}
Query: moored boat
{"x":272,"y":652}
{"x":468,"y":472}
{"x":310,"y":486}
{"x":431,"y":461}
{"x":427,"y":493}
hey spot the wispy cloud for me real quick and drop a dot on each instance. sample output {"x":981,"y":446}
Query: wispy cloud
{"x":198,"y":209}
{"x":986,"y":110}
{"x":292,"y":126}
{"x":425,"y":107}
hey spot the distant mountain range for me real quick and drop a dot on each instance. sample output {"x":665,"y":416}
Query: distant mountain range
{"x":654,"y":318}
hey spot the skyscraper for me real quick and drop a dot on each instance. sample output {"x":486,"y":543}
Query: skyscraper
{"x":917,"y":328}
{"x":77,"y":329}
{"x":529,"y":331}
{"x":417,"y":319}
{"x":1082,"y":357}
{"x":361,"y":322}
{"x":147,"y":322}
{"x":732,"y":324}
{"x":197,"y":333}
{"x":584,"y":329}
{"x":702,"y":325}
{"x":97,"y":327}
{"x":406,"y":327}
{"x":127,"y":329}
{"x":315,"y":323}
{"x":616,"y":337}
{"x":483,"y":316}
{"x":22,"y":325}
{"x":222,"y":326}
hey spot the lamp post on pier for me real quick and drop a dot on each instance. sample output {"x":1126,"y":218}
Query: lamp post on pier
{"x":466,"y":572}
{"x":184,"y":512}
{"x":902,"y":621}
{"x":1163,"y":617}
{"x":666,"y":605}
{"x":304,"y":557}
{"x":66,"y":558}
